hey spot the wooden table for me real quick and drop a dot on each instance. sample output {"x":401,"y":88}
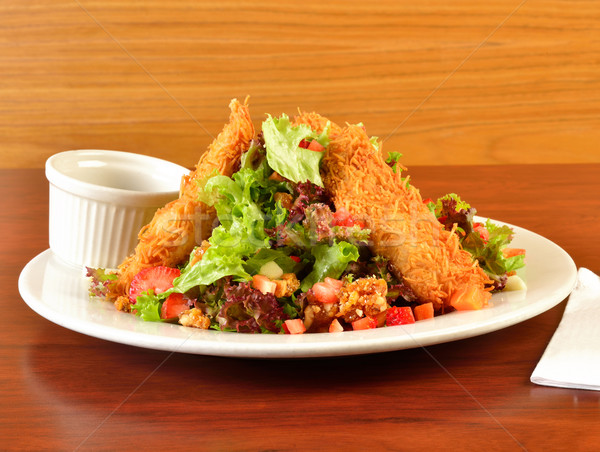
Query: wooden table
{"x":498,"y":81}
{"x":62,"y":390}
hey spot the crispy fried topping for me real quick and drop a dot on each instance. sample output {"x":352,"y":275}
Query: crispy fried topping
{"x":365,"y":296}
{"x":194,"y":318}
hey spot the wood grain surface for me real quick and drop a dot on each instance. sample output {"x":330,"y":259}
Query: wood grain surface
{"x":463,"y":82}
{"x":62,"y":390}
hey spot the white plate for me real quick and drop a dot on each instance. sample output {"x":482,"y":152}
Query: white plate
{"x":58,"y":292}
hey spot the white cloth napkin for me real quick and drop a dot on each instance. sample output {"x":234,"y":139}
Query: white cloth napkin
{"x":572,"y":358}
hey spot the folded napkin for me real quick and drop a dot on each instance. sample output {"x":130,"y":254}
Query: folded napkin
{"x":572,"y":358}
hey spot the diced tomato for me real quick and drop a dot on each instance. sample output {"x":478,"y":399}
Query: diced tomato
{"x":316,"y":146}
{"x":336,"y":326}
{"x":402,"y":315}
{"x":295,"y":258}
{"x":173,"y":306}
{"x":342,"y":217}
{"x":158,"y":279}
{"x":512,"y":252}
{"x":366,"y":323}
{"x":482,"y":230}
{"x":304,"y":144}
{"x":294,"y":326}
{"x":264,"y":284}
{"x":424,"y":311}
{"x":427,"y":201}
{"x":325,"y":293}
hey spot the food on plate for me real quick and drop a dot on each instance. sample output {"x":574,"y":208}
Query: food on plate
{"x":403,"y":229}
{"x":311,"y":230}
{"x":176,"y":228}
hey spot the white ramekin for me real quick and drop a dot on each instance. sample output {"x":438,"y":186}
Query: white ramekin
{"x":99,"y":201}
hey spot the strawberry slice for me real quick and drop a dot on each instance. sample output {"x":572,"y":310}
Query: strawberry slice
{"x":157,"y":279}
{"x":174,"y":306}
{"x":399,"y":316}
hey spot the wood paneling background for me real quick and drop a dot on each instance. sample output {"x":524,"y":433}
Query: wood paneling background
{"x":465,"y":82}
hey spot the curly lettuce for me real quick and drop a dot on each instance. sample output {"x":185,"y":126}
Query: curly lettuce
{"x":489,"y":253}
{"x":284,"y":154}
{"x":488,"y":248}
{"x":244,"y":203}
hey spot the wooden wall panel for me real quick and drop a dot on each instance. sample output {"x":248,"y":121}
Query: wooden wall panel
{"x":463,"y":82}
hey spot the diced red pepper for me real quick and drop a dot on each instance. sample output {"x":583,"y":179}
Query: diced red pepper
{"x":295,"y":258}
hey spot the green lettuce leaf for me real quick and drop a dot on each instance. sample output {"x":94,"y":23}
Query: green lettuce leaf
{"x":285,"y":156}
{"x":238,"y":201}
{"x":393,"y":159}
{"x":489,"y":254}
{"x":280,"y":256}
{"x":217,"y":262}
{"x":330,"y":261}
{"x":147,"y":306}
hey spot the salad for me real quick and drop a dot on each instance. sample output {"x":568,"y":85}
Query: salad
{"x":281,"y":258}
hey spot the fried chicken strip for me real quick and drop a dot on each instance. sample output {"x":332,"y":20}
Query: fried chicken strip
{"x":185,"y":222}
{"x":403,"y":230}
{"x":317,"y":123}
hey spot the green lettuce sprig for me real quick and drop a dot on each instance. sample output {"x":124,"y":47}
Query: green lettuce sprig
{"x":284,"y":154}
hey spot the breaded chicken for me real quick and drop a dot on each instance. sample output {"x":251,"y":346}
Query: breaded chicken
{"x":317,"y":123}
{"x":403,"y":229}
{"x":185,"y":222}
